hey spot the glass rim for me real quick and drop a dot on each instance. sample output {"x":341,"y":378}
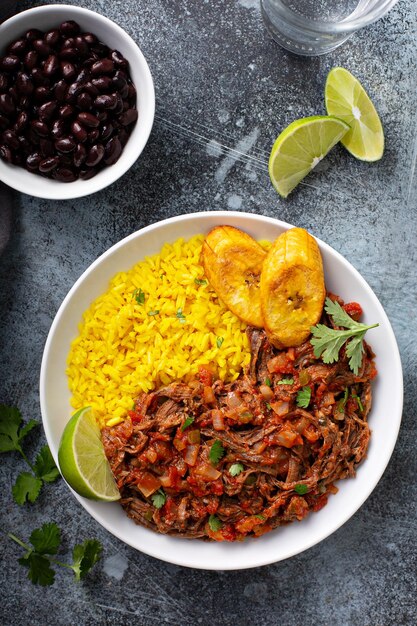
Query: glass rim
{"x":347,"y":25}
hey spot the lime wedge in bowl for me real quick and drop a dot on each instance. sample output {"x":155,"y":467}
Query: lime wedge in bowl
{"x":82,"y":460}
{"x":300,"y":147}
{"x":347,"y":99}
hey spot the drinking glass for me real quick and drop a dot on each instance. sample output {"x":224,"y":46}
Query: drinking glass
{"x":312,"y":27}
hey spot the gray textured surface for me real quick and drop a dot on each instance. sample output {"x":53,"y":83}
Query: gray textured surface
{"x":220,"y":81}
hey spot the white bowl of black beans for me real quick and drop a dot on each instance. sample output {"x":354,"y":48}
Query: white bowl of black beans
{"x":77,"y":102}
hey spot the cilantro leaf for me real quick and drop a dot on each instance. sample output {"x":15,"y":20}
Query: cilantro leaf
{"x":152,"y":313}
{"x":214,"y":523}
{"x":26,"y":488}
{"x":235,"y":469}
{"x":200,"y":281}
{"x":187,"y":423}
{"x":286,"y":381}
{"x":85,"y":556}
{"x":180,"y":315}
{"x":159,"y":498}
{"x":301,"y":489}
{"x":216,"y":452}
{"x":40,"y":570}
{"x":10,"y":435}
{"x":45,"y":467}
{"x":327,"y":342}
{"x":268,"y":382}
{"x":139,"y":296}
{"x":259,"y":516}
{"x":219,"y":341}
{"x":46,"y":539}
{"x":303,"y":397}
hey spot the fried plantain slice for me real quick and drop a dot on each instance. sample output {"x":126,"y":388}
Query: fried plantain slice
{"x":232,"y":262}
{"x":292,"y":288}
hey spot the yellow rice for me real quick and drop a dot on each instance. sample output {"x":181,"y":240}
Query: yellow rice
{"x":126,"y":347}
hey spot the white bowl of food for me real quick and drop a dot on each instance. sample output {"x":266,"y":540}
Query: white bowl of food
{"x":76,"y":116}
{"x":174,"y":319}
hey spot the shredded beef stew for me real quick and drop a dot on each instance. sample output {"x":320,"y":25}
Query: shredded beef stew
{"x":224,"y":461}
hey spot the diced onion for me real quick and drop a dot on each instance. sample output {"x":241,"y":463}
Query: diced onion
{"x":191,"y":454}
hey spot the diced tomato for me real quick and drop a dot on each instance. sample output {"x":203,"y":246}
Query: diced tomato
{"x":146,"y":482}
{"x":353,"y":309}
{"x":135,"y":417}
{"x":205,"y":375}
{"x":212,"y":506}
{"x":280,"y":364}
{"x":320,"y":503}
{"x":247,"y":524}
{"x":288,"y":439}
{"x":217,"y":488}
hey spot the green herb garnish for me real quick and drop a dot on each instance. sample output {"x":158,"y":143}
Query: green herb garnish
{"x":151,"y":313}
{"x":286,"y":381}
{"x":200,"y":281}
{"x":235,"y":469}
{"x":44,"y":470}
{"x":159,"y":498}
{"x":358,"y":400}
{"x":342,"y":401}
{"x":268,"y":406}
{"x":180,"y":315}
{"x":327,"y":341}
{"x":216,"y":452}
{"x":301,"y":489}
{"x":219,"y":341}
{"x":259,"y":516}
{"x":268,"y":382}
{"x":139,"y":296}
{"x":187,"y":423}
{"x":214,"y":523}
{"x":303,"y":397}
{"x":39,"y":560}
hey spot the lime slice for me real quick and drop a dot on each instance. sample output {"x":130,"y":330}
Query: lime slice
{"x":82,"y":459}
{"x":300,"y":147}
{"x":347,"y":99}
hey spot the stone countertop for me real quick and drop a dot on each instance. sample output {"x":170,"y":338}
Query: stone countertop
{"x":224,"y":91}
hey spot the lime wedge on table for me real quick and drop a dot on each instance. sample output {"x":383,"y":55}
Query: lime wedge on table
{"x":347,"y":99}
{"x":300,"y":147}
{"x":82,"y":460}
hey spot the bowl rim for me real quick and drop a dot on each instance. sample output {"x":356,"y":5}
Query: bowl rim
{"x":263,"y":559}
{"x":55,"y":190}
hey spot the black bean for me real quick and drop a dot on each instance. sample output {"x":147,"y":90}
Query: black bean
{"x":39,"y":78}
{"x":24,"y":103}
{"x":31,"y":59}
{"x":41,"y":94}
{"x":65,"y":144}
{"x":69,"y":54}
{"x":32,"y":161}
{"x":106,"y":131}
{"x":88,"y":119}
{"x":7,"y":106}
{"x":58,"y":128}
{"x":24,"y":145}
{"x":118,"y":59}
{"x":73,"y":90}
{"x":113,"y":150}
{"x":52,"y":37}
{"x":33,"y":34}
{"x":132,"y":92}
{"x":104,"y":66}
{"x":5,"y":154}
{"x":4,"y":122}
{"x":81,"y":45}
{"x":24,"y":83}
{"x":119,"y":105}
{"x":4,"y":81}
{"x":9,"y":63}
{"x":51,"y":65}
{"x":86,"y":174}
{"x":119,"y":80}
{"x":80,"y":155}
{"x":90,"y":39}
{"x":17,"y":47}
{"x":21,"y":121}
{"x":65,"y":175}
{"x":68,"y":70}
{"x":47,"y":147}
{"x":9,"y":138}
{"x":123,"y":137}
{"x":129,"y":117}
{"x":106,"y":101}
{"x":69,"y":28}
{"x":84,"y":76}
{"x":47,"y":110}
{"x":61,"y":90}
{"x":14,"y":94}
{"x":91,"y":89}
{"x":49,"y":164}
{"x":79,"y":132}
{"x":42,"y":47}
{"x":40,"y":128}
{"x":84,"y":101}
{"x":66,"y":111}
{"x":95,"y":154}
{"x":33,"y":137}
{"x":124,"y":91}
{"x":103,"y":83}
{"x":101,"y":50}
{"x":16,"y":158}
{"x":93,"y":135}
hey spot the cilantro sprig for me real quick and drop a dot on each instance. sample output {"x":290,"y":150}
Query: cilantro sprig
{"x":304,"y":397}
{"x":216,"y":452}
{"x":39,"y":557}
{"x":159,"y":498}
{"x":236,"y":469}
{"x":327,"y":342}
{"x":214,"y":523}
{"x":12,"y":433}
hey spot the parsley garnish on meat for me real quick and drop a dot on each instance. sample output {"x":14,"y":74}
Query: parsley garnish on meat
{"x":216,"y":452}
{"x":159,"y":498}
{"x":303,"y":397}
{"x":214,"y":523}
{"x":39,"y":557}
{"x":139,"y":296}
{"x":327,"y":342}
{"x":301,"y":489}
{"x":12,"y":433}
{"x":286,"y":381}
{"x":187,"y":423}
{"x":235,"y":469}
